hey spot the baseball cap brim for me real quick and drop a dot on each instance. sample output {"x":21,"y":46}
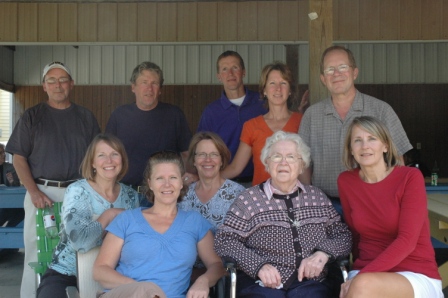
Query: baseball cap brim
{"x":55,"y":64}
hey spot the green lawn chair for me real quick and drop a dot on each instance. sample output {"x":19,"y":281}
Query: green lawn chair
{"x":45,"y":245}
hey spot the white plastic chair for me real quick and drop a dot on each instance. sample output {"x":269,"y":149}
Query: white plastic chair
{"x":87,"y":286}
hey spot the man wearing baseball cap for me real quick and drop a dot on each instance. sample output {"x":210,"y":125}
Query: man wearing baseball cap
{"x":48,"y":144}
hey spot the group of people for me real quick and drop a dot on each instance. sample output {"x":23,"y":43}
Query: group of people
{"x":317,"y":185}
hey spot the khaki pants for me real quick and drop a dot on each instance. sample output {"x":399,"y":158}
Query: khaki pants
{"x":135,"y":290}
{"x":56,"y":194}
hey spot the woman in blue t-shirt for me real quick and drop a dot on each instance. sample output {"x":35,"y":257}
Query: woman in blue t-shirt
{"x":150,"y":252}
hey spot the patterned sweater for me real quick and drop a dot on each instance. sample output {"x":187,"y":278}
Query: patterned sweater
{"x":281,"y":231}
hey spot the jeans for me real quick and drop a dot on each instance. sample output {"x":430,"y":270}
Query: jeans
{"x":247,"y":288}
{"x":54,"y":283}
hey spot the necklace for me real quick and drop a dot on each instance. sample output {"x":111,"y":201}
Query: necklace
{"x":295,"y":223}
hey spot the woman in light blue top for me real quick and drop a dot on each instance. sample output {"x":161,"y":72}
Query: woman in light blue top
{"x":89,"y":206}
{"x":150,"y":252}
{"x":212,"y":195}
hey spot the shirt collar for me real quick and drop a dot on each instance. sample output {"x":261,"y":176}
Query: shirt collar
{"x":226,"y":103}
{"x":357,"y":105}
{"x":269,"y":189}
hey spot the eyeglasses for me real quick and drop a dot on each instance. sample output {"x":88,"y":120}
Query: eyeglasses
{"x":278,"y":158}
{"x":341,"y":68}
{"x":203,"y":155}
{"x":54,"y":80}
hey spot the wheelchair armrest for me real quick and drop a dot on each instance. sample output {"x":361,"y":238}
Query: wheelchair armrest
{"x":344,"y":263}
{"x":230,"y":265}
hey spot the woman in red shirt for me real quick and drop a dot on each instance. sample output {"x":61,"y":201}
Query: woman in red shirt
{"x":385,"y":207}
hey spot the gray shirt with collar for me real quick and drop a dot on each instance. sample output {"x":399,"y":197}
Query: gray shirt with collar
{"x":324,"y":131}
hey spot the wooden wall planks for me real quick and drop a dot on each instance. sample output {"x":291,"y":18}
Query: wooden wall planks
{"x":255,"y":21}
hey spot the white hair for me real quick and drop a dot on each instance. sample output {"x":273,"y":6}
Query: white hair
{"x":302,"y":148}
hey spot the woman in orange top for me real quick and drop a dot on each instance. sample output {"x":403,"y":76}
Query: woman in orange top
{"x":279,"y":90}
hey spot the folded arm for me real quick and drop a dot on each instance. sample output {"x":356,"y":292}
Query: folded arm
{"x":242,"y":157}
{"x":104,"y":267}
{"x":212,"y":262}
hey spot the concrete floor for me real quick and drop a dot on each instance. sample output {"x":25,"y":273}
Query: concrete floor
{"x":11,"y":268}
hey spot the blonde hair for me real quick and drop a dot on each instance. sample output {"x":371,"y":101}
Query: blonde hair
{"x":87,"y":170}
{"x":376,"y":128}
{"x":158,"y":158}
{"x":286,"y":75}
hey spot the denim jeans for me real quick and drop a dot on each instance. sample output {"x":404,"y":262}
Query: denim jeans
{"x":247,"y":288}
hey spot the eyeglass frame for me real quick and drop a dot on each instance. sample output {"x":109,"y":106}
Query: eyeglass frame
{"x":329,"y":71}
{"x":285,"y":158}
{"x":62,"y":80}
{"x":211,"y":155}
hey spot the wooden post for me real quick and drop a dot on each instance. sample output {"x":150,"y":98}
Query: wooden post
{"x":320,"y":38}
{"x":292,"y":60}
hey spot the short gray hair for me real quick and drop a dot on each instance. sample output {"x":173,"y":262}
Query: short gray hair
{"x":147,"y":66}
{"x":302,"y":147}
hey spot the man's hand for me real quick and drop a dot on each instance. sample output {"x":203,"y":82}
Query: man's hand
{"x":39,"y":199}
{"x":10,"y":178}
{"x":313,"y":265}
{"x":304,"y":103}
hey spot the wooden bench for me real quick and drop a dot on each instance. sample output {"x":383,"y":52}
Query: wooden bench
{"x":12,"y":197}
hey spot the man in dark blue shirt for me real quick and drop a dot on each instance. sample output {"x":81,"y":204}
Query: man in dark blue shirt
{"x":236,"y":105}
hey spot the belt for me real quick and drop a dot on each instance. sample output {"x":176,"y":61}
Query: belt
{"x":243,"y":179}
{"x":53,"y":183}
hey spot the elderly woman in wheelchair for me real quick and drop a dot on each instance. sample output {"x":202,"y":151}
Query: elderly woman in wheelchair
{"x":89,"y":206}
{"x":281,"y":233}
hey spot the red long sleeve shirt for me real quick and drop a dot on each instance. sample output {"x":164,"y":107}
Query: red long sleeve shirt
{"x":389,"y":222}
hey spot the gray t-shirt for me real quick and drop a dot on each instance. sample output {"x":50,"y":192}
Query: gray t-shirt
{"x":324,"y":131}
{"x":54,"y":141}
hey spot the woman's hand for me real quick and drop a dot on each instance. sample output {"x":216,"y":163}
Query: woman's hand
{"x":312,"y":266}
{"x":344,"y":288}
{"x":107,"y":216}
{"x":189,"y":178}
{"x":270,"y":277}
{"x":200,"y":288}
